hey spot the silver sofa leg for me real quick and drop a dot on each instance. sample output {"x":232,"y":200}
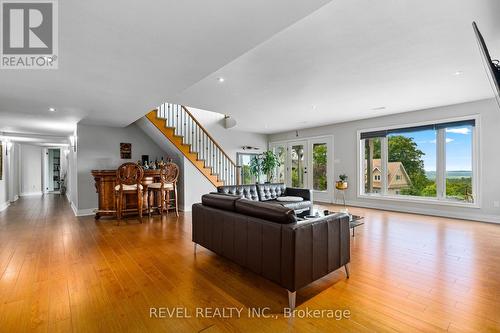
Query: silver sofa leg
{"x":346,"y":266}
{"x":195,"y":248}
{"x":291,"y":299}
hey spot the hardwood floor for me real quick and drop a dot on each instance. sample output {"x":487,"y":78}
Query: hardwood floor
{"x":59,"y":273}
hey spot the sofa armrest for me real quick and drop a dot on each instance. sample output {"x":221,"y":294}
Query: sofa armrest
{"x":304,"y":193}
{"x":313,"y":248}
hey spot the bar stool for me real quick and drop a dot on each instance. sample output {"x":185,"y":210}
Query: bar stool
{"x":128,"y":177}
{"x":168,"y":183}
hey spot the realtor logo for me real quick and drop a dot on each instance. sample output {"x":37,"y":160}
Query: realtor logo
{"x":29,"y":37}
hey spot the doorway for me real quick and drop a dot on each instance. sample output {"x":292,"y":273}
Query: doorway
{"x":307,"y":163}
{"x":53,"y":170}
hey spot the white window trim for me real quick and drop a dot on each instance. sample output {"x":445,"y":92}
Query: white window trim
{"x":441,"y":160}
{"x":310,"y":140}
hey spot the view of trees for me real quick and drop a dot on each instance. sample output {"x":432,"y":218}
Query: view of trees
{"x":319,"y":167}
{"x":405,"y":150}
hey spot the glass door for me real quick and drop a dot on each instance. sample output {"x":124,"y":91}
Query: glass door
{"x":281,"y":151}
{"x":307,"y":163}
{"x":320,"y":162}
{"x":298,"y":164}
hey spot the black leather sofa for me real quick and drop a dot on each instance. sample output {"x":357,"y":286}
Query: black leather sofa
{"x":268,"y":193}
{"x":271,"y":241}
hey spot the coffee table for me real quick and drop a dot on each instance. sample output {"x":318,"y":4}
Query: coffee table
{"x":354,"y":222}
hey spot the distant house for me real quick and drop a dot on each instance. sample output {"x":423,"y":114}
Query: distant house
{"x":397,"y":177}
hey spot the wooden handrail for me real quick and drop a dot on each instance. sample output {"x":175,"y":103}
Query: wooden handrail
{"x":207,"y":134}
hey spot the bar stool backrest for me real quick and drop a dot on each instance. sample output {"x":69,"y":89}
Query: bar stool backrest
{"x":169,"y":173}
{"x":129,"y":174}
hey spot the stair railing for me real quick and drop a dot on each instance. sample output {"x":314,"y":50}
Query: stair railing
{"x":201,"y":142}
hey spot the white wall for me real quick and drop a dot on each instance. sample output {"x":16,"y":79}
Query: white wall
{"x":195,"y":184}
{"x":14,"y":177}
{"x":345,"y":156}
{"x":72,"y":177}
{"x":31,"y":169}
{"x":98,"y":147}
{"x":4,"y":195}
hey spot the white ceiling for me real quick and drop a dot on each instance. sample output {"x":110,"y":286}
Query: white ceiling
{"x":279,"y":58}
{"x":353,"y":56}
{"x":120,"y":59}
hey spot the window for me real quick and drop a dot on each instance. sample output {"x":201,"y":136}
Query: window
{"x":244,"y":162}
{"x":429,"y":161}
{"x":372,"y":150}
{"x":459,"y":163}
{"x":280,"y":151}
{"x":297,"y":159}
{"x":411,"y":152}
{"x":320,"y":157}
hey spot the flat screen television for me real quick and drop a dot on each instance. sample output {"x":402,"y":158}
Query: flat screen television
{"x":492,"y":66}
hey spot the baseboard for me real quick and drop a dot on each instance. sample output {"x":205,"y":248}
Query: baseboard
{"x":86,"y":212}
{"x":82,"y":212}
{"x":15,"y":199}
{"x":68,"y":197}
{"x":472,"y":216}
{"x":4,"y":206}
{"x":28,"y":194}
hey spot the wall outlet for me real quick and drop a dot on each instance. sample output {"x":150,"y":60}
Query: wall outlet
{"x":496,"y":204}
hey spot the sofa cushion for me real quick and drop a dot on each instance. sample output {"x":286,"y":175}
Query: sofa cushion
{"x":296,"y":205}
{"x":289,"y":199}
{"x":270,"y":191}
{"x":243,"y":191}
{"x":265,"y":211}
{"x":220,"y":201}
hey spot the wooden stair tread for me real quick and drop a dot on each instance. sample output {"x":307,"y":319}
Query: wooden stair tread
{"x":185,"y":148}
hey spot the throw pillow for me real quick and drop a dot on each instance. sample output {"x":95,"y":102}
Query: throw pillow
{"x":289,"y":198}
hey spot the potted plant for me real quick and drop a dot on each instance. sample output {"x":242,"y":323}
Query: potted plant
{"x":342,"y":184}
{"x":265,"y":163}
{"x":256,"y":167}
{"x":270,"y":162}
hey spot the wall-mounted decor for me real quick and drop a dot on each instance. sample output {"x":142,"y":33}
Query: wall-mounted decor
{"x":1,"y":160}
{"x":125,"y":151}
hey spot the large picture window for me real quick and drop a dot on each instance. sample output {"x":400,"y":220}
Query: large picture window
{"x":432,"y":162}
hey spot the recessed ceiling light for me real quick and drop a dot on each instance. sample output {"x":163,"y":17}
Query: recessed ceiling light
{"x":458,"y":73}
{"x":52,"y":109}
{"x":220,"y":79}
{"x":379,"y":108}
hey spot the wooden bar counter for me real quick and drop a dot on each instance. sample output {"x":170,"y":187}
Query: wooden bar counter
{"x":105,"y":182}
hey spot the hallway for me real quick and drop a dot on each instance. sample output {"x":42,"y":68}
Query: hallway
{"x":59,"y":273}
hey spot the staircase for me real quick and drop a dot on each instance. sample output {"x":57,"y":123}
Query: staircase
{"x":191,"y":138}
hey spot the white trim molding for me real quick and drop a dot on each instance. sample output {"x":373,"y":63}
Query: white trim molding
{"x":82,"y":212}
{"x":4,"y":206}
{"x":440,"y":199}
{"x":472,"y":215}
{"x":28,"y":194}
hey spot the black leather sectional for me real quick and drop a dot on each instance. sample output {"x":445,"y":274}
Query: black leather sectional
{"x":268,"y":193}
{"x":269,"y":239}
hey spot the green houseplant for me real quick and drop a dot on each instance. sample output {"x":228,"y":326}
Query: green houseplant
{"x":270,"y":162}
{"x":256,"y":167}
{"x":342,"y":184}
{"x":265,"y":163}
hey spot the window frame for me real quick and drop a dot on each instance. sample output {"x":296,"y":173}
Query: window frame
{"x":239,"y":156}
{"x":440,"y":198}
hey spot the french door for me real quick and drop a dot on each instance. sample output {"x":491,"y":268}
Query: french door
{"x":298,"y":164}
{"x":307,"y":163}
